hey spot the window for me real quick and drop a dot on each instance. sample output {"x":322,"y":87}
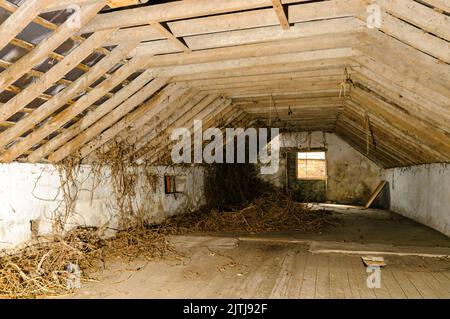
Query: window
{"x":169,"y":184}
{"x":311,"y":166}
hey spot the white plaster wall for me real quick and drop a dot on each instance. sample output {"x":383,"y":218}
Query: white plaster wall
{"x":32,"y":192}
{"x":351,"y":175}
{"x":422,"y":193}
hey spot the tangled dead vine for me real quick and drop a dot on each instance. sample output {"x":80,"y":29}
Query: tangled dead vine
{"x":272,"y":211}
{"x":41,"y":269}
{"x":238,"y":202}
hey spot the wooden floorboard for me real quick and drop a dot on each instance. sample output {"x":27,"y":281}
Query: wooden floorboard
{"x":259,"y":270}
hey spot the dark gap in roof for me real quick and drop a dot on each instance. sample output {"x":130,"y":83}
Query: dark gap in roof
{"x":78,"y":96}
{"x":46,"y":65}
{"x":3,"y":15}
{"x":5,"y":96}
{"x":117,"y":88}
{"x":133,"y":76}
{"x":93,"y":58}
{"x":34,"y":33}
{"x":103,"y":99}
{"x":3,"y":128}
{"x":100,"y":80}
{"x":52,"y":135}
{"x":16,"y":117}
{"x":110,"y":47}
{"x":149,"y":3}
{"x":68,"y":124}
{"x":55,"y":89}
{"x":35,"y":147}
{"x":57,"y":17}
{"x":114,"y":68}
{"x":26,"y":133}
{"x":11,"y":53}
{"x":35,"y":103}
{"x":66,"y":47}
{"x":74,"y":74}
{"x":7,"y":146}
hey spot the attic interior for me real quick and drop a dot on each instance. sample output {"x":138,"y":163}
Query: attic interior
{"x":92,"y":91}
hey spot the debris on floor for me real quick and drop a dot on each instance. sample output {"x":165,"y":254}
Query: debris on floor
{"x":372,"y":261}
{"x":43,"y":268}
{"x":272,"y":211}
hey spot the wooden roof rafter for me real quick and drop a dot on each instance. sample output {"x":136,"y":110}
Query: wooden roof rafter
{"x":238,"y":50}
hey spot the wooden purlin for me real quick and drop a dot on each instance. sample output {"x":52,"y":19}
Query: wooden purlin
{"x":92,"y":117}
{"x":58,"y":57}
{"x":154,"y":137}
{"x":44,"y":48}
{"x":128,"y":120}
{"x":58,"y":101}
{"x":48,"y":79}
{"x":17,"y":21}
{"x":238,"y":49}
{"x":108,"y":120}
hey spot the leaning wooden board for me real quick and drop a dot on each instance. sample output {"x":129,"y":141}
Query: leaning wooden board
{"x":375,"y":193}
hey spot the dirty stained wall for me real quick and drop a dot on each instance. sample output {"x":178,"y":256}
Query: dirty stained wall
{"x":31,"y":194}
{"x":422,"y":193}
{"x":351,"y":176}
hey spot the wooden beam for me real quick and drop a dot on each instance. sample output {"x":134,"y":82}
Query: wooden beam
{"x":281,"y":14}
{"x":40,"y":52}
{"x":311,"y":29}
{"x":170,"y":12}
{"x":68,"y":114}
{"x":124,"y":3}
{"x":436,"y":142}
{"x":316,"y":67}
{"x":205,"y":115}
{"x":419,"y":15}
{"x":161,"y":100}
{"x":35,"y":89}
{"x":187,"y":10}
{"x":415,"y":37}
{"x":156,"y":115}
{"x":271,"y":48}
{"x":352,"y":123}
{"x":441,"y":5}
{"x":223,"y":65}
{"x":409,"y":101}
{"x":167,"y":34}
{"x":150,"y":130}
{"x":155,"y":138}
{"x":10,"y":7}
{"x":380,"y":158}
{"x":91,"y":117}
{"x":64,"y":4}
{"x":408,"y":62}
{"x":17,"y":21}
{"x":375,"y":193}
{"x":108,"y":120}
{"x":46,"y":109}
{"x":258,"y":81}
{"x":389,"y":133}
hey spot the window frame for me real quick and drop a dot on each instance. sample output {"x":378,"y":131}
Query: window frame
{"x":325,"y":178}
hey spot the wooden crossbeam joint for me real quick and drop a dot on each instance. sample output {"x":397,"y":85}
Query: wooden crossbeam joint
{"x":124,"y":3}
{"x":281,"y":14}
{"x":169,"y":35}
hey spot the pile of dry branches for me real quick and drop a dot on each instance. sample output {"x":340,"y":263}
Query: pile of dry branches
{"x":42,"y":269}
{"x":272,"y":211}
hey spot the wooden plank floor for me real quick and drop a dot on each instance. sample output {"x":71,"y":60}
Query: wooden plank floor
{"x":269,"y":270}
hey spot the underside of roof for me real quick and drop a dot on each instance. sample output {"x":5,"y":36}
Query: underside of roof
{"x":80,"y":76}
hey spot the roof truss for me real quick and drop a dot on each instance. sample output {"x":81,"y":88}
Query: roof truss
{"x":132,"y":75}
